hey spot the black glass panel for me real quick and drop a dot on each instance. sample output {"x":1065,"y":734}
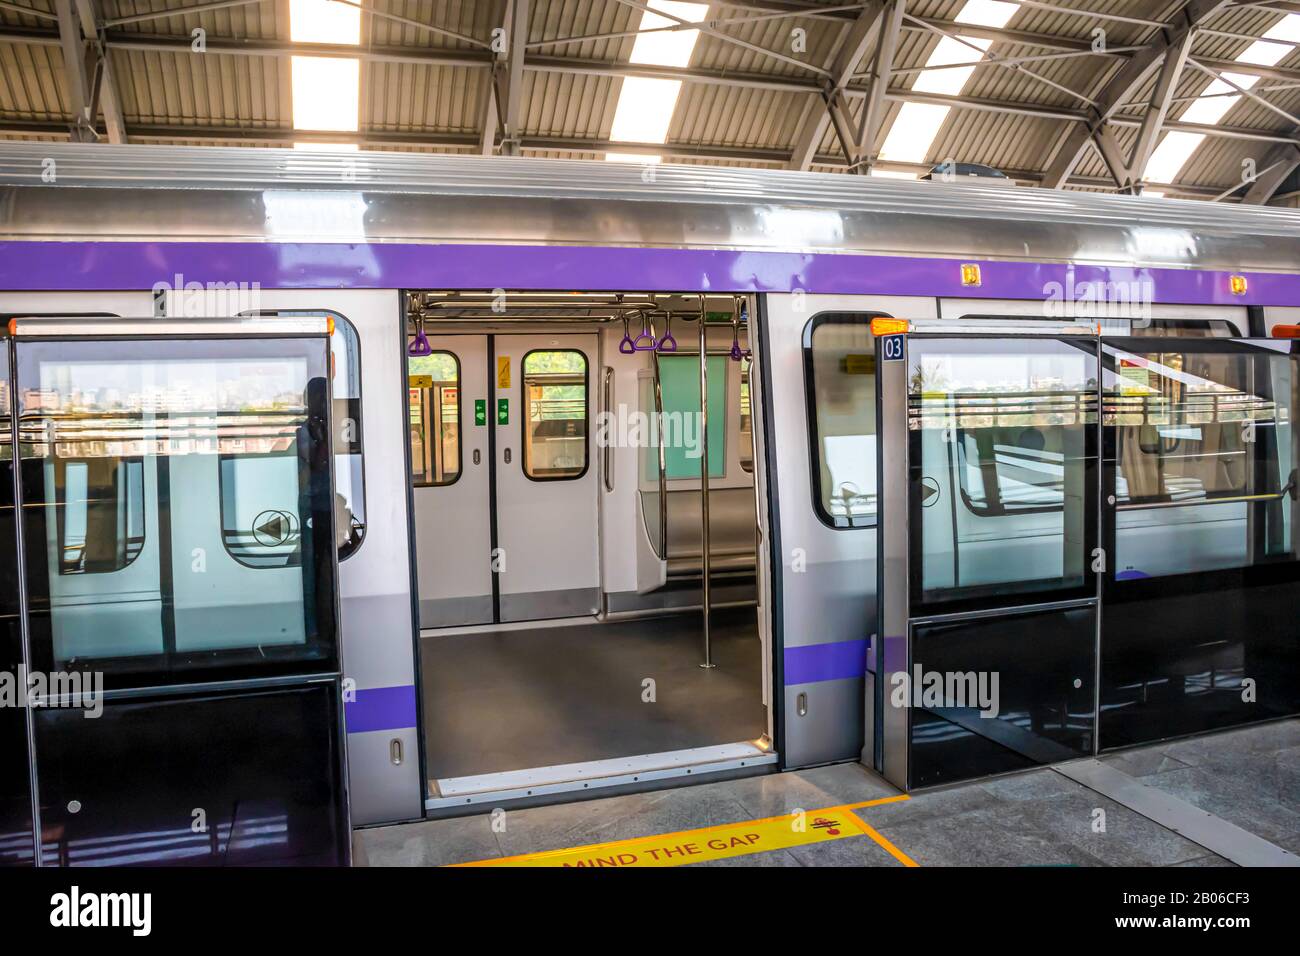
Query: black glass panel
{"x":179,"y":522}
{"x":15,"y":793}
{"x":995,"y":694}
{"x":196,"y":780}
{"x":1002,"y":471}
{"x":1200,"y":630}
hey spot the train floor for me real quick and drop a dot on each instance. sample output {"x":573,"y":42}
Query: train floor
{"x":503,"y":700}
{"x":1242,"y":785}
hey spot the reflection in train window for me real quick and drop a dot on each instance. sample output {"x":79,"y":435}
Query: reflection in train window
{"x":746,"y":421}
{"x":176,"y":476}
{"x":555,"y":427}
{"x":100,"y":513}
{"x":1000,"y":466}
{"x":1203,"y":458}
{"x":840,"y":370}
{"x":434,"y":406}
{"x":1011,"y":469}
{"x":259,"y":509}
{"x":349,"y":463}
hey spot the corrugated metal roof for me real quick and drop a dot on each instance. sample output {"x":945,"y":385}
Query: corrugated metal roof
{"x":429,"y":87}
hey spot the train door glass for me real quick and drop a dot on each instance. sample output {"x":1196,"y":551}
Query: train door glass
{"x":1200,"y":492}
{"x":1002,"y":436}
{"x":546,"y":488}
{"x":15,"y":791}
{"x":180,"y":566}
{"x":447,"y":405}
{"x":1002,"y":514}
{"x":164,"y":529}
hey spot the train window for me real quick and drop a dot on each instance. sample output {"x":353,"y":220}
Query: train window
{"x":169,"y":481}
{"x":746,"y":422}
{"x":433,"y":391}
{"x":99,"y":510}
{"x":679,"y":381}
{"x":1001,"y":460}
{"x":840,"y":377}
{"x":349,"y":461}
{"x":1203,"y":457}
{"x":555,"y":427}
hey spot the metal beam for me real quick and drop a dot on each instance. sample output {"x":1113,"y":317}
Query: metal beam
{"x":464,"y":58}
{"x":853,"y":46}
{"x":79,"y":83}
{"x":1132,"y":76}
{"x":1171,"y":70}
{"x":517,"y":42}
{"x":492,"y":99}
{"x":873,"y":110}
{"x":106,"y":83}
{"x":1280,"y":163}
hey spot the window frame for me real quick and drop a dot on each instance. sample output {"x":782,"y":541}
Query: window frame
{"x":525,"y":414}
{"x":833,"y":317}
{"x":460,"y":419}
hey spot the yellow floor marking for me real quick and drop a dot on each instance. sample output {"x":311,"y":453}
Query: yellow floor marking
{"x":713,"y":843}
{"x":889,"y":848}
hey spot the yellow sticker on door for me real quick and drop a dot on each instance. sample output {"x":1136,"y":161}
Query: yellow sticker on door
{"x":503,"y":371}
{"x":706,"y":843}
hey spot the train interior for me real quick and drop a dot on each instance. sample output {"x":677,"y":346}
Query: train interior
{"x":585,"y":533}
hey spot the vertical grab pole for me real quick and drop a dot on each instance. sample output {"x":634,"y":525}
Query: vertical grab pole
{"x":662,"y":546}
{"x":704,"y":479}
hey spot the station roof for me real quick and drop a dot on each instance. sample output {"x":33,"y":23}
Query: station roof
{"x":1192,"y":98}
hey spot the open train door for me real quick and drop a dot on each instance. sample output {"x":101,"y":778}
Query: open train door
{"x":179,"y":582}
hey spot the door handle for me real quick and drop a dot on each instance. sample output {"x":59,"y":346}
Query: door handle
{"x":477,"y":457}
{"x":507,"y":456}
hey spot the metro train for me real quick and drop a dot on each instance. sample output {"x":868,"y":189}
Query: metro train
{"x":377,"y":486}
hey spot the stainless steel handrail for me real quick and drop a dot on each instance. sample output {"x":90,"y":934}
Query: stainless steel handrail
{"x":662,"y":548}
{"x":609,"y":443}
{"x":1275,"y":496}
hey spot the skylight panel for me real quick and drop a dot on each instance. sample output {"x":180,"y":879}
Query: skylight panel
{"x":323,"y":21}
{"x":645,"y":104}
{"x":1212,"y":106}
{"x":326,"y":93}
{"x":916,"y":125}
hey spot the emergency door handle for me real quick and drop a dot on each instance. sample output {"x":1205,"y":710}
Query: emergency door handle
{"x":507,"y":456}
{"x":477,"y":456}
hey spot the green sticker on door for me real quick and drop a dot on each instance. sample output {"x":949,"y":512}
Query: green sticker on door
{"x":503,"y":411}
{"x":480,"y":411}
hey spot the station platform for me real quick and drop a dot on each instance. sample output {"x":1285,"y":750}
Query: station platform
{"x":1225,"y":799}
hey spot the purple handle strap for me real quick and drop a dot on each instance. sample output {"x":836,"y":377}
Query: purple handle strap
{"x":645,"y":336}
{"x":420,"y":346}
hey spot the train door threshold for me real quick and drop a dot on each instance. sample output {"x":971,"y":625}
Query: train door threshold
{"x":597,"y":774}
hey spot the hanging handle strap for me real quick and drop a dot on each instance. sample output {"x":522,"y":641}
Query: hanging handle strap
{"x":668,"y":343}
{"x":647,"y":336}
{"x":627,"y":346}
{"x":420,"y":344}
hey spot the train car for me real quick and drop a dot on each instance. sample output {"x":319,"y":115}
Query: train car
{"x":607,"y":482}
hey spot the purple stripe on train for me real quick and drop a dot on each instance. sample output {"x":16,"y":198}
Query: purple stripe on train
{"x":104,"y":266}
{"x":381,"y":708}
{"x":811,"y":663}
